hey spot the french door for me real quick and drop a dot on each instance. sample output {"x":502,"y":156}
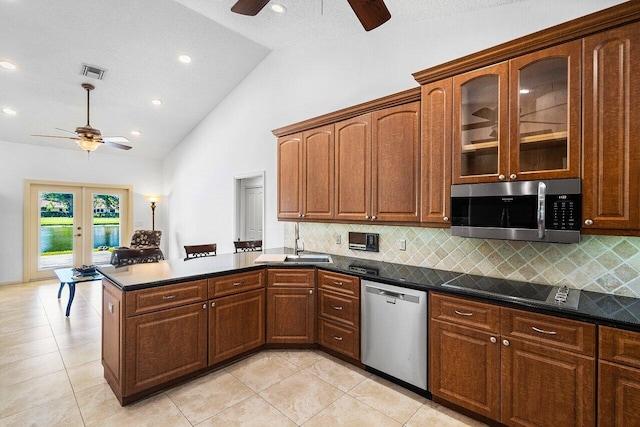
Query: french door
{"x":69,"y":225}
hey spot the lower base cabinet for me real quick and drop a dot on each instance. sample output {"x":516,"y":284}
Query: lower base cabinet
{"x":512,"y":366}
{"x":291,"y":306}
{"x":236,"y":325}
{"x":164,"y":345}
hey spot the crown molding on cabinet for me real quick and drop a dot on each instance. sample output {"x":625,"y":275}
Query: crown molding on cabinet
{"x":399,"y":98}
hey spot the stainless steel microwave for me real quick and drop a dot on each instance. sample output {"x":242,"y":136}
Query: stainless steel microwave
{"x":539,"y":211}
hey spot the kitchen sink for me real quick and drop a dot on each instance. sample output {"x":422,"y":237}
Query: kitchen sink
{"x":308,"y":259}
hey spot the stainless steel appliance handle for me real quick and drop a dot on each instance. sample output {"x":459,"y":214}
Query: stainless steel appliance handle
{"x":542,"y":194}
{"x":386,"y":293}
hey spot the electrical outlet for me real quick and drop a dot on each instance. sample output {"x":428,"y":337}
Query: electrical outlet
{"x":402,"y":244}
{"x":338,"y":239}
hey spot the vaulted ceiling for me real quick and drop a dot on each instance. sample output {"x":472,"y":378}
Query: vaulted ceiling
{"x":138,"y":42}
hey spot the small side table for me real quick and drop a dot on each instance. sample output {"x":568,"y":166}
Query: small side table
{"x":66,"y":277}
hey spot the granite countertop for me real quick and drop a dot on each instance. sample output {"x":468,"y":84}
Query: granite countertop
{"x":596,"y":307}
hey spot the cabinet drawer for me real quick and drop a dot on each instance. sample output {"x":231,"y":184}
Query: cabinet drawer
{"x":234,"y":283}
{"x":465,"y":312}
{"x":161,"y":297}
{"x":339,"y":338}
{"x":290,"y":278}
{"x":336,"y":282}
{"x":617,"y":345}
{"x":564,"y":334}
{"x":339,"y":308}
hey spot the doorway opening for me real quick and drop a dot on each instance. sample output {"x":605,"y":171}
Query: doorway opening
{"x":69,"y":225}
{"x":249,"y":196}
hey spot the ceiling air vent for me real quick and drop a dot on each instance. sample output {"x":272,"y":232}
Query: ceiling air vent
{"x":93,"y":72}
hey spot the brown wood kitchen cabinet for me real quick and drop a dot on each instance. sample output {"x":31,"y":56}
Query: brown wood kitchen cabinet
{"x":378,"y":165}
{"x":618,"y":378}
{"x":512,"y":366}
{"x":339,"y":313}
{"x":306,"y":174}
{"x":519,"y":119}
{"x":291,"y":306}
{"x":435,"y":153}
{"x":153,"y":336}
{"x":611,"y":131}
{"x":236,"y":314}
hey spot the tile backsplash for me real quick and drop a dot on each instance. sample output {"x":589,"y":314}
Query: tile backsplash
{"x":608,"y":264}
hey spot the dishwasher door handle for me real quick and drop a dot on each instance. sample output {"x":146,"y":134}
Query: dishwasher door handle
{"x":385,"y":293}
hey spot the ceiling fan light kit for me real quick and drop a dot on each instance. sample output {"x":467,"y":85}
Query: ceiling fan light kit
{"x":370,"y":13}
{"x":89,"y":138}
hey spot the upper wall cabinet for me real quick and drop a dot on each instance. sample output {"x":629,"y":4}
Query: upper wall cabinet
{"x":395,"y":164}
{"x":519,"y":119}
{"x":378,"y":165}
{"x":290,"y":176}
{"x":611,"y":131}
{"x":305,"y":174}
{"x":353,"y":168}
{"x":435,"y":153}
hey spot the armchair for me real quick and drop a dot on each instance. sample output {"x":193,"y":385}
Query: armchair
{"x":144,"y":247}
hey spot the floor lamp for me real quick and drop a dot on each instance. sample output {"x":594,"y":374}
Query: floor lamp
{"x":153,"y":200}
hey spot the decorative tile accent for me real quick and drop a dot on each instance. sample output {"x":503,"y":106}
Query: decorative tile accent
{"x":608,"y":264}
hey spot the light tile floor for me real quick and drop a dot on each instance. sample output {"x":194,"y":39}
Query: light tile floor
{"x":51,"y":375}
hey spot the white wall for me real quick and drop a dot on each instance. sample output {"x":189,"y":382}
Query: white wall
{"x":19,"y":162}
{"x":300,"y":83}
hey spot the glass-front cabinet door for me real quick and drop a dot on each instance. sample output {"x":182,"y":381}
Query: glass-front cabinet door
{"x":480,"y":124}
{"x":545,"y":114}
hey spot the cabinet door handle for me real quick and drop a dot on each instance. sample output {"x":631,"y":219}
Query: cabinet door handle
{"x":513,"y":176}
{"x":506,"y":343}
{"x":337,"y":283}
{"x":493,"y":340}
{"x":366,"y":217}
{"x":337,"y":338}
{"x":373,"y":218}
{"x":542,"y":331}
{"x":445,"y":218}
{"x":460,"y":313}
{"x":238,"y":283}
{"x":501,"y":177}
{"x":169,"y":296}
{"x":310,"y":291}
{"x":336,"y":307}
{"x":204,"y":305}
{"x":588,"y":222}
{"x":213,"y":304}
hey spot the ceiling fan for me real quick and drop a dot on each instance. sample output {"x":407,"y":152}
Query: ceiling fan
{"x":89,"y":138}
{"x":371,"y":13}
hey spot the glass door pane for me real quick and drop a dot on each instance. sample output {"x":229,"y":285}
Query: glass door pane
{"x":479,"y":126}
{"x":106,"y":226}
{"x":543,"y":115}
{"x":57,"y":229}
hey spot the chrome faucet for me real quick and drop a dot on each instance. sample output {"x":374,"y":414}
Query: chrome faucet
{"x":296,"y":239}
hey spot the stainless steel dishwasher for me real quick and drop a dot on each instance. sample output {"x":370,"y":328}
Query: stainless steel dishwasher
{"x":394,"y":331}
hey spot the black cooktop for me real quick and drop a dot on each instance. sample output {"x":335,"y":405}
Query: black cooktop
{"x":515,"y":290}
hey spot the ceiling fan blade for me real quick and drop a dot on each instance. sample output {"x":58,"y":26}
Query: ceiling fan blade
{"x":249,"y":7}
{"x":68,"y":131}
{"x":54,"y":136}
{"x":116,"y":145}
{"x":371,"y":13}
{"x":115,"y":139}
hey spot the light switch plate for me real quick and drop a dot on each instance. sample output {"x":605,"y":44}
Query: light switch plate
{"x":338,"y":239}
{"x":402,"y":244}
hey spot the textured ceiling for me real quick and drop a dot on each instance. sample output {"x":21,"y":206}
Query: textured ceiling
{"x":138,"y":43}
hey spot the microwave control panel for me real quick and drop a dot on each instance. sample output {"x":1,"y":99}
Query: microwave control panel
{"x":563,"y":211}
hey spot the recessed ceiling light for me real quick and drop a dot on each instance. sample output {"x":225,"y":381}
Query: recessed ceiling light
{"x":185,"y":59}
{"x":136,"y":133}
{"x":8,"y":65}
{"x":278,"y":8}
{"x":9,"y":111}
{"x":156,"y":102}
